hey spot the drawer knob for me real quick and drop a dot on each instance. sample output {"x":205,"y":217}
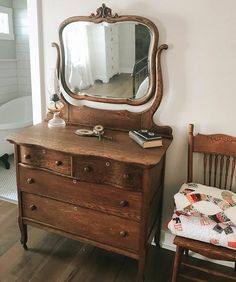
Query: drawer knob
{"x":58,"y":163}
{"x":87,"y":169}
{"x":27,"y":156}
{"x":126,"y":176}
{"x":30,"y":180}
{"x":123,"y":233}
{"x":124,"y":203}
{"x":33,"y":207}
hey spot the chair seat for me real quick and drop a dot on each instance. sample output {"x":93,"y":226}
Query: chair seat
{"x":205,"y":249}
{"x":203,"y":229}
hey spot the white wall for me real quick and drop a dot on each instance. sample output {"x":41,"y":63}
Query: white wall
{"x":199,"y":68}
{"x":8,"y":80}
{"x":20,"y":21}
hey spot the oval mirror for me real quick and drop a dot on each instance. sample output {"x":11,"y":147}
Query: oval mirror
{"x":109,"y":58}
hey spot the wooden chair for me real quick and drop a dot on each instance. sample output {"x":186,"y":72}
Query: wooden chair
{"x":219,"y":158}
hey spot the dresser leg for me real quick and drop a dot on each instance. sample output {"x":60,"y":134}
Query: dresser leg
{"x":157,"y":236}
{"x":141,"y":268}
{"x":24,"y":235}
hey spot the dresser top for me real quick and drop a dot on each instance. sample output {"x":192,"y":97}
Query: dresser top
{"x":120,"y":148}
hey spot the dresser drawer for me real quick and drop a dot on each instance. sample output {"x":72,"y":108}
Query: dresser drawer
{"x":95,"y":196}
{"x":49,"y":159}
{"x":87,"y":223}
{"x":100,"y":170}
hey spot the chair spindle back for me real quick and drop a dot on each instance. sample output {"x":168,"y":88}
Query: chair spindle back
{"x":219,"y":158}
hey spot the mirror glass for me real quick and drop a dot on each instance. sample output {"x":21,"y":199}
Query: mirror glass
{"x":107,"y":59}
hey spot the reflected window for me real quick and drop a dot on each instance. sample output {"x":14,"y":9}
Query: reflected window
{"x":6,"y":25}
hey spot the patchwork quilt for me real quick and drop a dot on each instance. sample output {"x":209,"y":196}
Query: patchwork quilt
{"x":206,"y":214}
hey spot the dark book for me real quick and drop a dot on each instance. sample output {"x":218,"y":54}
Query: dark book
{"x":147,"y":135}
{"x":144,"y":142}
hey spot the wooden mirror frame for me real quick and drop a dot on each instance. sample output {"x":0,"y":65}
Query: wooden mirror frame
{"x":104,"y":14}
{"x":117,"y":119}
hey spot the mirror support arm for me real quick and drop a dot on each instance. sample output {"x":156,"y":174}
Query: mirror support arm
{"x":64,"y":112}
{"x":58,"y":61}
{"x":147,"y":117}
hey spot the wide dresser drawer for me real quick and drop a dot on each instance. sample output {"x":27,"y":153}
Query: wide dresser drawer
{"x":49,"y":159}
{"x":87,"y":223}
{"x":101,"y":170}
{"x":67,"y":189}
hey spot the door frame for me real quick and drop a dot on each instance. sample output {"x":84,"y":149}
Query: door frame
{"x":34,"y":11}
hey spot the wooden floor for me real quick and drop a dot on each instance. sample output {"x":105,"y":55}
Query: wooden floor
{"x":120,"y":85}
{"x":53,"y":258}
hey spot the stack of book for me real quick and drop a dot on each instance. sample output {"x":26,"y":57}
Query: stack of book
{"x":145,"y":138}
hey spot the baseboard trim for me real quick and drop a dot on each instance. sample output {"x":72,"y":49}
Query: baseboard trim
{"x":166,"y":242}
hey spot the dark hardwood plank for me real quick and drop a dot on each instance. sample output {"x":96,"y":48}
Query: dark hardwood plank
{"x":57,"y":263}
{"x":77,"y":263}
{"x":16,"y":260}
{"x":101,"y":266}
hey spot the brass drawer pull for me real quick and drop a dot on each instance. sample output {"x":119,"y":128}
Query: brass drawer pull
{"x":123,"y":233}
{"x":27,"y":157}
{"x":124,"y":203}
{"x":126,"y":176}
{"x":58,"y":163}
{"x":30,"y":180}
{"x":87,"y":169}
{"x":33,"y":207}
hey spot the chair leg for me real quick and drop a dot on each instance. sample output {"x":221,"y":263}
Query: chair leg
{"x":177,"y":261}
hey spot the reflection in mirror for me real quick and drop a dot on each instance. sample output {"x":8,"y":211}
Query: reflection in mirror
{"x":107,"y":60}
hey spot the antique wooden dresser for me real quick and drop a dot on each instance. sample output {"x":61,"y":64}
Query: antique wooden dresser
{"x":107,"y":193}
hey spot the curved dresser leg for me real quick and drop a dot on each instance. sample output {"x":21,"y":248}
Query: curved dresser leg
{"x":141,"y":268}
{"x":24,"y":235}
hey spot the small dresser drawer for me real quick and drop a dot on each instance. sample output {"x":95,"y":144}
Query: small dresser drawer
{"x":93,"y":225}
{"x":99,"y":170}
{"x":39,"y":157}
{"x":103,"y":198}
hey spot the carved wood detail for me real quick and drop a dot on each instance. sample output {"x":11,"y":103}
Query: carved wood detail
{"x":104,"y":12}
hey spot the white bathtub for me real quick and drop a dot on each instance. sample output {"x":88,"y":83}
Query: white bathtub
{"x":14,"y":115}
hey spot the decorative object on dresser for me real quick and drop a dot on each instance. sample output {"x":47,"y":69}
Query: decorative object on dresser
{"x":98,"y":131}
{"x":147,"y":135}
{"x":55,"y":105}
{"x":106,"y":193}
{"x":143,"y":141}
{"x":204,"y":218}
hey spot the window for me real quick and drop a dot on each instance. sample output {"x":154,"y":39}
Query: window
{"x":6,"y":25}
